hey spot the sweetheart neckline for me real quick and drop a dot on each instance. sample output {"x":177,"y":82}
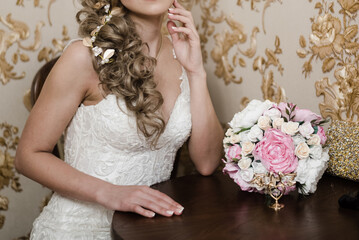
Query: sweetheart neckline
{"x":183,"y":75}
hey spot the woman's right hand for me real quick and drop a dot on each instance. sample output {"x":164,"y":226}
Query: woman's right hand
{"x":139,"y":199}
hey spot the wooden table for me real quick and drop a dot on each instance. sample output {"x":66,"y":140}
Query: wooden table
{"x":215,"y":208}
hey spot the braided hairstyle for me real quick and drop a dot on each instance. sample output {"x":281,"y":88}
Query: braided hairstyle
{"x":130,"y":74}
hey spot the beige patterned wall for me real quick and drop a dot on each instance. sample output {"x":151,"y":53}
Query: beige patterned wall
{"x":31,"y":33}
{"x":304,"y":51}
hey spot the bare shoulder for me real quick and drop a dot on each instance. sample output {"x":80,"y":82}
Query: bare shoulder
{"x":74,"y":69}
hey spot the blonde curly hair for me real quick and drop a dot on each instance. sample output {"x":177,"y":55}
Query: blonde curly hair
{"x":130,"y":75}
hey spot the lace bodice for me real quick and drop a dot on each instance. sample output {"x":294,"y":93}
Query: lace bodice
{"x":102,"y":140}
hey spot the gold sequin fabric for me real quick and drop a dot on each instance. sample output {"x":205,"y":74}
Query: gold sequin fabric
{"x":343,"y":142}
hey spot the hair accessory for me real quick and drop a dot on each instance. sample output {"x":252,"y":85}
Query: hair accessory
{"x":89,"y":42}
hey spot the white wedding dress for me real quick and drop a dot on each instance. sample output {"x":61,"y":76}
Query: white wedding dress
{"x":102,"y":140}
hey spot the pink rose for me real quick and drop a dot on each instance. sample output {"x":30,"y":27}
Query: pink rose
{"x":231,"y":169}
{"x":305,"y":115}
{"x":321,"y":134}
{"x":300,"y":115}
{"x":276,"y":152}
{"x":233,"y":152}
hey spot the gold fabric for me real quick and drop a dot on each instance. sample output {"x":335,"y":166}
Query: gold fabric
{"x":343,"y":141}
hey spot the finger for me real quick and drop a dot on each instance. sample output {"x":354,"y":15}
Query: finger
{"x":165,"y":200}
{"x":187,"y":31}
{"x":172,"y":32}
{"x":144,"y":212}
{"x":183,"y":19}
{"x":162,"y":208}
{"x":180,"y":11}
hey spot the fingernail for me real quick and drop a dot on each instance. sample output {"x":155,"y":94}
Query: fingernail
{"x":180,"y":209}
{"x":170,"y":14}
{"x":170,"y":9}
{"x":169,"y":212}
{"x":174,"y":28}
{"x":152,"y":214}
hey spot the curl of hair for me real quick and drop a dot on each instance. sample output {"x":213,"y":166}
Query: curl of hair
{"x":130,"y":75}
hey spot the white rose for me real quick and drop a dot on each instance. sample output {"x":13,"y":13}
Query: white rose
{"x":264,"y":122}
{"x":244,"y":136}
{"x":255,"y":134}
{"x":314,"y":140}
{"x":290,"y":128}
{"x":249,"y":116}
{"x":277,"y":123}
{"x":306,"y":129}
{"x":247,"y":148}
{"x":244,"y":163}
{"x":325,"y":155}
{"x":272,"y":113}
{"x":313,"y":177}
{"x":235,"y":138}
{"x":302,"y":150}
{"x":316,"y":152}
{"x":298,"y":139}
{"x":247,"y":174}
{"x":229,"y":132}
{"x":309,"y":171}
{"x":258,"y":167}
{"x":301,"y":171}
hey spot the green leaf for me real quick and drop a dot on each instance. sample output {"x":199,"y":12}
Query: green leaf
{"x":285,"y":119}
{"x":242,"y":130}
{"x":294,"y":107}
{"x":315,"y":130}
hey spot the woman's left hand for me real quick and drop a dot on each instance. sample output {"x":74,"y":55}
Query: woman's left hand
{"x":186,"y":41}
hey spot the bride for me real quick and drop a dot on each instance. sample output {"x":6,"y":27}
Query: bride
{"x":127,"y":98}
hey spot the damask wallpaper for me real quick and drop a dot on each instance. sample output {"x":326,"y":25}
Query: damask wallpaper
{"x":31,"y":33}
{"x":303,"y":51}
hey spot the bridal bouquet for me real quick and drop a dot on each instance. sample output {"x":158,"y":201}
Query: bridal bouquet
{"x":269,"y":142}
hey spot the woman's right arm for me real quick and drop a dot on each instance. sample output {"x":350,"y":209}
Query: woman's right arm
{"x":68,"y":84}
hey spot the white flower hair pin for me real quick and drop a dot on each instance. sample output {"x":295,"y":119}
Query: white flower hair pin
{"x":89,"y":41}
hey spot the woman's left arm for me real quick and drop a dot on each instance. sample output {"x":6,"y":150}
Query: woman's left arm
{"x":205,"y":144}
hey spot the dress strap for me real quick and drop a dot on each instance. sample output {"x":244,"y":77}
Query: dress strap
{"x":70,"y":42}
{"x":173,"y":50}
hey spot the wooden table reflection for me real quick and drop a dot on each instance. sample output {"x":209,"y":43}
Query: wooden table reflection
{"x":215,"y":208}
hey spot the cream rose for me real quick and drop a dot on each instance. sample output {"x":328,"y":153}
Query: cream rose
{"x":290,"y":128}
{"x":314,"y":140}
{"x":302,"y":150}
{"x":247,"y":148}
{"x":264,"y":122}
{"x":235,"y":138}
{"x":226,"y":141}
{"x":244,"y":163}
{"x":229,"y":132}
{"x":277,"y":123}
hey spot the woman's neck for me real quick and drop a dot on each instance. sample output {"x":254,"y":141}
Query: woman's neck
{"x":149,"y":29}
